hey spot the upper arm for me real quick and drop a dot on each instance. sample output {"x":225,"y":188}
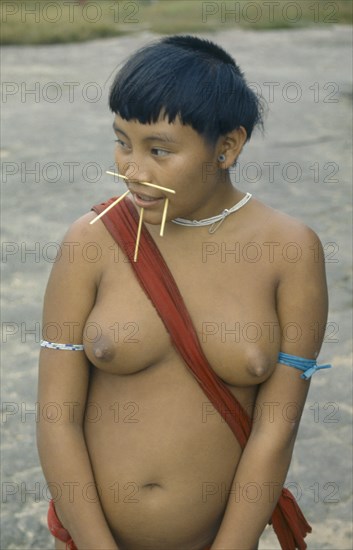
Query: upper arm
{"x":69,"y":298}
{"x":302,"y":312}
{"x":302,"y":298}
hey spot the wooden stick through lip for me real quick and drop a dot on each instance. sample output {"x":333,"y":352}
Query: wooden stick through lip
{"x":109,"y":207}
{"x":138,"y":235}
{"x":164,"y":216}
{"x":143,"y":182}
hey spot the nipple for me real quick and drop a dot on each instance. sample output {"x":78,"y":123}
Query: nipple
{"x":257,"y":365}
{"x":103,"y":352}
{"x":257,"y":369}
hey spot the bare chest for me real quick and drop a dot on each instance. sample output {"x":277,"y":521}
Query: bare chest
{"x":231,"y":304}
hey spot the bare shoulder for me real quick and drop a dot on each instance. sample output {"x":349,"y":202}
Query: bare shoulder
{"x":87,"y":252}
{"x":281,"y":224}
{"x":77,"y":271}
{"x":85,"y":245}
{"x":83,"y":231}
{"x":293,"y":240}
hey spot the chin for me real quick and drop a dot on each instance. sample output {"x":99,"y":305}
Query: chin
{"x":152,"y":218}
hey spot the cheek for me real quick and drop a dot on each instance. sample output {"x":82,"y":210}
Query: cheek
{"x":117,"y":155}
{"x":124,"y":165}
{"x":194,"y":174}
{"x":183,"y":178}
{"x":187,"y":168}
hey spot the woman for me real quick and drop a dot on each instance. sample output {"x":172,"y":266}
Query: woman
{"x":142,"y":457}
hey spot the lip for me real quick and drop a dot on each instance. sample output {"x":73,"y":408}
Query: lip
{"x":146,"y":203}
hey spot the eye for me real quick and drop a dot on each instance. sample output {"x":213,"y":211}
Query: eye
{"x":120,"y":142}
{"x":159,"y":152}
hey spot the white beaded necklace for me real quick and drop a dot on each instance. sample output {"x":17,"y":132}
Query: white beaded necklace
{"x":215,"y":219}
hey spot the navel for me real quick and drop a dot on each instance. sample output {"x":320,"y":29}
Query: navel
{"x":151,"y":486}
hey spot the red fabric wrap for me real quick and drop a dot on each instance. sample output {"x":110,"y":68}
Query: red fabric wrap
{"x":159,"y":285}
{"x":57,"y":530}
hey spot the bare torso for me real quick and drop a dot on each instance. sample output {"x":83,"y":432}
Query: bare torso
{"x":162,"y":457}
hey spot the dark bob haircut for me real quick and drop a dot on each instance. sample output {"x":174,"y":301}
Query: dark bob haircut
{"x":190,"y":78}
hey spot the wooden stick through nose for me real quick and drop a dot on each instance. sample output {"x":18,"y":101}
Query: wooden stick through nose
{"x":143,"y":182}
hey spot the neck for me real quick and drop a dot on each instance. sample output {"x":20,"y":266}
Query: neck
{"x":224,"y":195}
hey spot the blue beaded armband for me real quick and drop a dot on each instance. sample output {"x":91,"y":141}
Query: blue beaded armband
{"x":55,"y":345}
{"x":309,"y":366}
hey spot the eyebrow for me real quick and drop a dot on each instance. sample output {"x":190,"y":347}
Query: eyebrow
{"x":154,"y":137}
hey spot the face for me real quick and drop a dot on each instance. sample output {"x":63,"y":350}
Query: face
{"x":169,"y":155}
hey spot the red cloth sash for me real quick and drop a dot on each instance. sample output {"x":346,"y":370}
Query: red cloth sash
{"x":159,"y":285}
{"x":56,"y":528}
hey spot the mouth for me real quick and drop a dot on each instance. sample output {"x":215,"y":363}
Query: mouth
{"x":145,"y":197}
{"x":145,"y":201}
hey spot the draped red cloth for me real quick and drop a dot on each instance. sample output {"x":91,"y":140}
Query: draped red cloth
{"x":159,"y":285}
{"x":57,"y":529}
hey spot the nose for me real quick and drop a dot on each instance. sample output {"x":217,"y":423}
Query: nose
{"x":135,"y":172}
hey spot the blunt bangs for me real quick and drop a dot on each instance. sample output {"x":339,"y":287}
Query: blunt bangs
{"x":188,"y":78}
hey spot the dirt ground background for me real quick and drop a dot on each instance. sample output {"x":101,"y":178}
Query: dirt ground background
{"x":57,"y":142}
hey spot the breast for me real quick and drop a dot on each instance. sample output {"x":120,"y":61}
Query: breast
{"x":241,"y":347}
{"x":238,"y":331}
{"x":243,"y":365}
{"x":127,"y":347}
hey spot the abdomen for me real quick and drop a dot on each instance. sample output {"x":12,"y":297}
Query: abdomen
{"x":163,"y":459}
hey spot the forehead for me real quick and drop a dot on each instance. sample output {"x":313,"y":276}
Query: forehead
{"x":170,"y":131}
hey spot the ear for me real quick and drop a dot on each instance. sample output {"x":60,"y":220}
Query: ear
{"x":231,"y":146}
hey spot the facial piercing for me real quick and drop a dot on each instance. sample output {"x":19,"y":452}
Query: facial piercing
{"x":138,"y":235}
{"x":109,"y":208}
{"x":164,"y":215}
{"x":143,"y":182}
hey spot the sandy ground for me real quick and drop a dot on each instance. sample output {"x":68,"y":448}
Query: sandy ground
{"x":57,"y":142}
